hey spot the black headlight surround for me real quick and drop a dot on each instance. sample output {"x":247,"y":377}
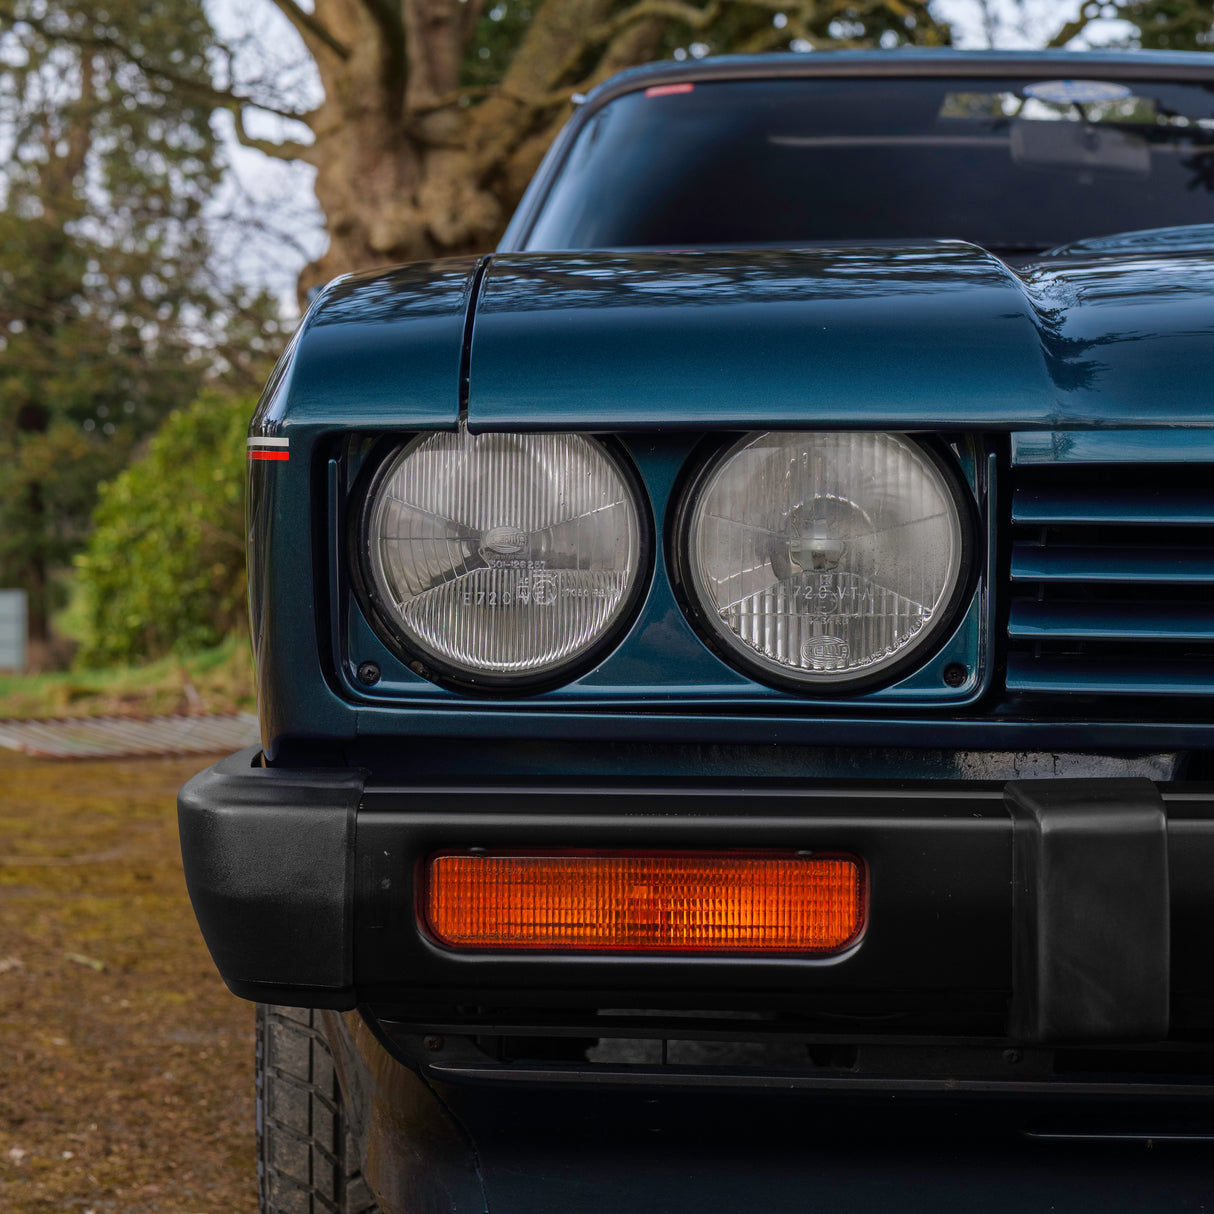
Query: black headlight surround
{"x":431,"y":667}
{"x":699,"y":472}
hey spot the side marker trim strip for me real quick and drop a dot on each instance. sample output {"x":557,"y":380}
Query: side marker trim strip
{"x":269,"y":448}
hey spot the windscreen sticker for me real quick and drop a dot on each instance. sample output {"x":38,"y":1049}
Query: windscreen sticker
{"x":269,"y":448}
{"x":1076,"y":92}
{"x":669,"y":90}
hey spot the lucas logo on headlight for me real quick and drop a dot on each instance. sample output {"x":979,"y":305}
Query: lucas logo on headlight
{"x":505,"y":541}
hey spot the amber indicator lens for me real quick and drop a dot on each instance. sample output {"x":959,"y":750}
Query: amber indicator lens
{"x":676,"y":902}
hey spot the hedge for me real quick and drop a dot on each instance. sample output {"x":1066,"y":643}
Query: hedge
{"x":164,"y":568}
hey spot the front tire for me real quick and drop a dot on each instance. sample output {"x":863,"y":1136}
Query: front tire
{"x":307,"y":1160}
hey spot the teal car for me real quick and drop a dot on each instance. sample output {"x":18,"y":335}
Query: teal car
{"x":736,"y":665}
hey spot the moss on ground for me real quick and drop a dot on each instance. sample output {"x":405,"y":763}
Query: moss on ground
{"x":128,"y":1084}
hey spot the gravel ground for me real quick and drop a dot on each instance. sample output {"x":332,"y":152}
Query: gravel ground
{"x":127,"y":1079}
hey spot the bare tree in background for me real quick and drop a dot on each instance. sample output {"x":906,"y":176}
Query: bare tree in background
{"x":1186,"y":25}
{"x":431,"y":115}
{"x":424,"y":142}
{"x":435,"y":113}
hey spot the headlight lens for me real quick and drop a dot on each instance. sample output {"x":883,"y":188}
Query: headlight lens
{"x":503,"y":556}
{"x":825,"y":558}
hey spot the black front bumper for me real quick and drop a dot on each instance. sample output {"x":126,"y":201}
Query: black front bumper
{"x":1037,"y":910}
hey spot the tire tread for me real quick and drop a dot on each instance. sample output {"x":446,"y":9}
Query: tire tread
{"x":307,"y":1160}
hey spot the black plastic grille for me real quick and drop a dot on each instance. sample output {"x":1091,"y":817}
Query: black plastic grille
{"x":1112,"y":580}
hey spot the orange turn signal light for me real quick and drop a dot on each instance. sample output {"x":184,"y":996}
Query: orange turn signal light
{"x":672,"y":902}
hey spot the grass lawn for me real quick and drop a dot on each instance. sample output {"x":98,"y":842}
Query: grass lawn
{"x":128,"y":1067}
{"x":216,"y":680}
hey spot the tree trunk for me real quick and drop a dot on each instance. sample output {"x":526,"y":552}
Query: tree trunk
{"x":404,"y":171}
{"x":410,"y":166}
{"x":62,"y":202}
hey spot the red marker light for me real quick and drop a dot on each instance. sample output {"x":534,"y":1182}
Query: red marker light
{"x":669,"y":90}
{"x":269,"y":448}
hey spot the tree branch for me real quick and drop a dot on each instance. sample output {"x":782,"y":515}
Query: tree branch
{"x":433,"y":46}
{"x":455,"y":97}
{"x":200,"y":89}
{"x":287,"y":149}
{"x":661,"y":10}
{"x":310,"y":30}
{"x":666,"y":11}
{"x":388,"y":15}
{"x":636,"y":44}
{"x":470,"y":15}
{"x":1072,"y":29}
{"x":556,"y":32}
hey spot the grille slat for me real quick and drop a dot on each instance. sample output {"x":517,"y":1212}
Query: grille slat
{"x":1074,"y":563}
{"x":1066,"y":506}
{"x":1061,"y":620}
{"x":1111,"y":576}
{"x":1125,"y":677}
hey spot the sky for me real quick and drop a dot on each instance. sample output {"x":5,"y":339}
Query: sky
{"x":267,"y":222}
{"x":1020,"y":26}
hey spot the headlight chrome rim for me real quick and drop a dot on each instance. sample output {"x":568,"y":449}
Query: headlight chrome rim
{"x":387,"y":456}
{"x":726,"y":644}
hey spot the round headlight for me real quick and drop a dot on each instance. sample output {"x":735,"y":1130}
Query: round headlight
{"x":825,"y":558}
{"x":502,"y":557}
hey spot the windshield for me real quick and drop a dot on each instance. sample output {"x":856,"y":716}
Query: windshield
{"x":1012,"y":164}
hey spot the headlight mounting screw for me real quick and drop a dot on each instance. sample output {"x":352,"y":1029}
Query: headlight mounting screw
{"x":368,"y":673}
{"x":955,"y":674}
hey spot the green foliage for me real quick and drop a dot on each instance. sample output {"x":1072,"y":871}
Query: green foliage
{"x":164,"y":568}
{"x":798,"y":26}
{"x":109,"y":315}
{"x":495,"y":40}
{"x":710,"y":27}
{"x":216,"y":680}
{"x":1170,"y":25}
